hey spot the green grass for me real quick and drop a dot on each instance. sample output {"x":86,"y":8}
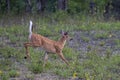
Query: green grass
{"x":85,"y":39}
{"x":36,"y":68}
{"x":88,"y":66}
{"x":103,"y":35}
{"x":4,"y":77}
{"x":13,"y":73}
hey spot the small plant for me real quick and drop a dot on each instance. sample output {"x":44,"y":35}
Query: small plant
{"x":83,"y":28}
{"x":29,"y":77}
{"x":89,"y":47}
{"x":13,"y":73}
{"x":117,"y":41}
{"x":60,"y":15}
{"x":108,"y":53}
{"x":36,"y":68}
{"x":68,"y":52}
{"x":101,"y":35}
{"x":4,"y":77}
{"x":102,"y":43}
{"x":85,"y":39}
{"x":87,"y":76}
{"x":62,"y":72}
{"x":5,"y":64}
{"x":7,"y":51}
{"x":1,"y":72}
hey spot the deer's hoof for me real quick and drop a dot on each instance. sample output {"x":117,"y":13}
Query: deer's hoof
{"x":25,"y":57}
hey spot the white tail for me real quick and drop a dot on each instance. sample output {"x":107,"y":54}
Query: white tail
{"x":30,"y":29}
{"x":51,"y":46}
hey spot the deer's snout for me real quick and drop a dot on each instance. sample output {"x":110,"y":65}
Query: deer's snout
{"x":70,"y":39}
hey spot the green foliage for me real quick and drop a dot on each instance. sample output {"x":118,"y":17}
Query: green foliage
{"x":85,"y":39}
{"x":74,"y":6}
{"x":78,"y":6}
{"x":13,"y":73}
{"x":15,"y":6}
{"x":36,"y":68}
{"x":60,"y":15}
{"x":101,"y":4}
{"x":51,"y":5}
{"x":4,"y":76}
{"x":30,"y":77}
{"x":103,"y":35}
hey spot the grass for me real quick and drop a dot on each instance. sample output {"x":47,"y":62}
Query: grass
{"x":36,"y":68}
{"x":102,"y":35}
{"x":13,"y":73}
{"x":85,"y":39}
{"x":4,"y":77}
{"x":88,"y":66}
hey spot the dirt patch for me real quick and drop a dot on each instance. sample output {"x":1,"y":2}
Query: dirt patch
{"x":103,"y":41}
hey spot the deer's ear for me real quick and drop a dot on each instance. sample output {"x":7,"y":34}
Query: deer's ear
{"x":62,"y":32}
{"x":65,"y":33}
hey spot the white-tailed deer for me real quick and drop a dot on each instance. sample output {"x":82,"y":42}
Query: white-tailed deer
{"x":51,"y":46}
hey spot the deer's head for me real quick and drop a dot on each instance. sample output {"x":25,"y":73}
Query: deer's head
{"x":65,"y":36}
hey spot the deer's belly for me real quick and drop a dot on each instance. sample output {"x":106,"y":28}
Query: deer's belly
{"x":50,"y":48}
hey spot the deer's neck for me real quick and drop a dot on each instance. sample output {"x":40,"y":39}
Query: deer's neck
{"x":62,"y":41}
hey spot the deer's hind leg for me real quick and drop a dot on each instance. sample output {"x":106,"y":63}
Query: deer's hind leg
{"x":26,"y":45}
{"x":45,"y":58}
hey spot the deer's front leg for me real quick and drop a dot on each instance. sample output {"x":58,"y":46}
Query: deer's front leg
{"x":63,"y":58}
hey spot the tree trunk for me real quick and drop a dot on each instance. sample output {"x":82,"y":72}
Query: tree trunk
{"x":28,"y":6}
{"x":40,"y":4}
{"x":8,"y":5}
{"x":93,"y":8}
{"x":0,"y":5}
{"x":62,"y":4}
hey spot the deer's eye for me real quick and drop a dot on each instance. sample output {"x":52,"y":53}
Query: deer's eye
{"x":66,"y":36}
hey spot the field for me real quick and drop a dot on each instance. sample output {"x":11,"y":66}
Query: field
{"x":93,"y":54}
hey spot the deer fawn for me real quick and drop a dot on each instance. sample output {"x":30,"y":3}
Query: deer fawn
{"x":51,"y":46}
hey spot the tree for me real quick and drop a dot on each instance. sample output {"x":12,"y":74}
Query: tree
{"x":116,"y":9}
{"x":62,"y":4}
{"x":28,"y":6}
{"x":8,"y":5}
{"x":92,"y":7}
{"x":40,"y":4}
{"x":0,"y":5}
